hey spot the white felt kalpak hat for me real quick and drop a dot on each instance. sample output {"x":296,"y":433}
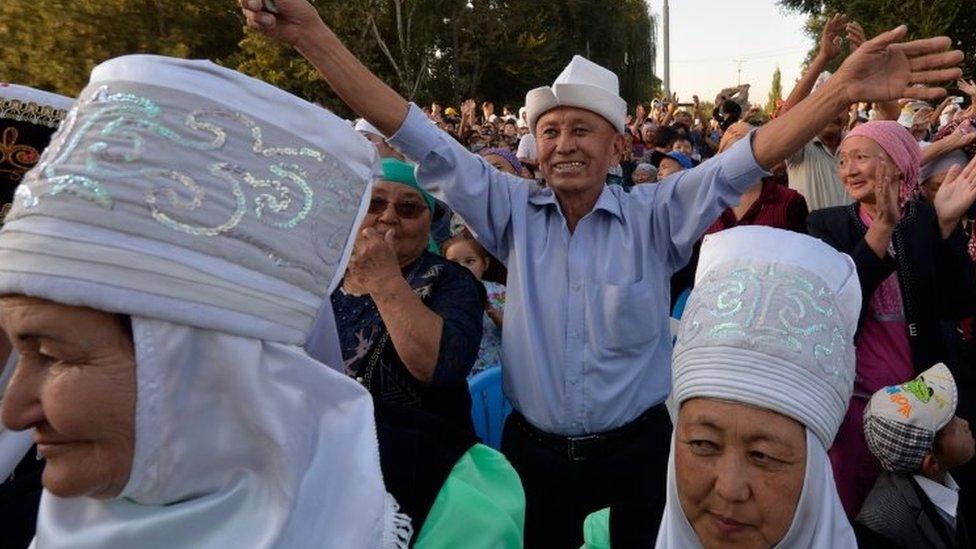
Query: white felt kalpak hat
{"x":582,"y":84}
{"x":169,"y":175}
{"x":771,"y":323}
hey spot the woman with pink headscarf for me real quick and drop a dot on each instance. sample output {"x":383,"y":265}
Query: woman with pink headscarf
{"x":912,"y":264}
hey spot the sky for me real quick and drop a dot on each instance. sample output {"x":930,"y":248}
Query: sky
{"x":708,"y":35}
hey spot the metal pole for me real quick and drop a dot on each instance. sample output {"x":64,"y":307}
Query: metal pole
{"x":667,"y":50}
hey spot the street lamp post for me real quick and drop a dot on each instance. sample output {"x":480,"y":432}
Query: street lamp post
{"x":667,"y":50}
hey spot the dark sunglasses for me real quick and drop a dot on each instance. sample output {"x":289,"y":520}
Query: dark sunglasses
{"x":404,"y":210}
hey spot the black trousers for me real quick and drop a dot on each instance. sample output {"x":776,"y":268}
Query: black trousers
{"x":560,"y":492}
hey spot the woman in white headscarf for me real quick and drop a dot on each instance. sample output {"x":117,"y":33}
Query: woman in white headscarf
{"x":161,"y":268}
{"x":762,"y":373}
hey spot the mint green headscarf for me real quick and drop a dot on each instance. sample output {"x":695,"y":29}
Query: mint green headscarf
{"x":400,"y":172}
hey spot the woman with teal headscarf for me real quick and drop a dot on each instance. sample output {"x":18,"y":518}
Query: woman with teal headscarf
{"x":409,"y":326}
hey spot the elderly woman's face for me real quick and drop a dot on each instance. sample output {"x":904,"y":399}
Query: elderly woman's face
{"x":859,"y":161}
{"x":75,"y":384}
{"x":641,"y":176}
{"x":399,"y":208}
{"x":739,"y":472}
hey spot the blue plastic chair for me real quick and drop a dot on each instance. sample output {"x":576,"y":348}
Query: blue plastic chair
{"x":679,"y":309}
{"x":489,"y":407}
{"x":679,"y":305}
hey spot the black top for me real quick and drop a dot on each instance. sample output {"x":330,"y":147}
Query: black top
{"x":20,"y":496}
{"x":452,"y":293}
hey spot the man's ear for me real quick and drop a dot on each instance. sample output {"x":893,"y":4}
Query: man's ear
{"x":930,"y":466}
{"x":619,"y":144}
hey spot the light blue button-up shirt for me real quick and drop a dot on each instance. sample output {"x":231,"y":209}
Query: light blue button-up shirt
{"x":586,"y":344}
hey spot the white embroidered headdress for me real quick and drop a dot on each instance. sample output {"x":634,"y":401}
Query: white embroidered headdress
{"x":771,"y":322}
{"x":217,"y":212}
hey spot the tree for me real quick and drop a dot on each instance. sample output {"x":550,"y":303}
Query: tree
{"x":447,"y":50}
{"x":56,"y":47}
{"x":775,"y":92}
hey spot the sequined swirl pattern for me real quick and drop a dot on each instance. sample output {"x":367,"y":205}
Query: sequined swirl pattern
{"x":777,"y":309}
{"x":115,"y":131}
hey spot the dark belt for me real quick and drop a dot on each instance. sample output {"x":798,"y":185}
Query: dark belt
{"x":587,"y":447}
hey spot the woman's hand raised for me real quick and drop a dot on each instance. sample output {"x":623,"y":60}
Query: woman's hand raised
{"x":886,"y":191}
{"x":955,"y":196}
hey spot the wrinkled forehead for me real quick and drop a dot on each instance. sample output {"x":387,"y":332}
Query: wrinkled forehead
{"x":567,"y":116}
{"x":25,"y":318}
{"x":743,"y":421}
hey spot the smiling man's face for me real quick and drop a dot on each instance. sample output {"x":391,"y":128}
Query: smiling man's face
{"x":576,"y":148}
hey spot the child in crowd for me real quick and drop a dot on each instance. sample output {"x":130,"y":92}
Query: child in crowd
{"x":475,"y":258}
{"x":913,"y":431}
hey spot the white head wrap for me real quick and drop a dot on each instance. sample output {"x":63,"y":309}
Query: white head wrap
{"x":216,"y":211}
{"x":582,"y":84}
{"x":771,"y":323}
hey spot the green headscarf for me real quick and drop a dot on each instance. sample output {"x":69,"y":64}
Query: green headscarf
{"x":400,"y":172}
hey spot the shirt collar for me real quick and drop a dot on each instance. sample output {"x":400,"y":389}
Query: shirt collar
{"x":607,"y":201}
{"x":944,"y":496}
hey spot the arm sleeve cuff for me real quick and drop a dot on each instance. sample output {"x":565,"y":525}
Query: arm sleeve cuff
{"x":739,"y":165}
{"x":417,"y":137}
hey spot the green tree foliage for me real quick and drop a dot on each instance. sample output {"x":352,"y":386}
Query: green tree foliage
{"x":775,"y":92}
{"x":925,"y":18}
{"x":54,"y":44}
{"x":447,"y":50}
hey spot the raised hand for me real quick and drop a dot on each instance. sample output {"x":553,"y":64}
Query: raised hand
{"x":855,"y":35}
{"x":640,"y":112}
{"x":291,"y":24}
{"x":955,"y":196}
{"x":830,"y":38}
{"x":883,"y":69}
{"x":468,"y":108}
{"x":886,"y":190}
{"x":968,"y":88}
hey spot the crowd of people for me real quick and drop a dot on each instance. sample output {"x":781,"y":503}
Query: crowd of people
{"x":234,"y":325}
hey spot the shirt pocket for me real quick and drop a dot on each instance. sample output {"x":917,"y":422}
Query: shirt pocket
{"x":625,"y":316}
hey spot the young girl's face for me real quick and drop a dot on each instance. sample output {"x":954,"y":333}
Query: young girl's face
{"x":467,"y":255}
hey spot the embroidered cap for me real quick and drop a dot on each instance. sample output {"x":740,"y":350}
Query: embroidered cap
{"x":771,"y":323}
{"x":28,"y":117}
{"x":582,"y":84}
{"x":170,"y":174}
{"x":901,"y":421}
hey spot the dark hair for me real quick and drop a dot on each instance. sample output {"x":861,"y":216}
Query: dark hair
{"x":731,"y":108}
{"x":665,"y":136}
{"x":681,"y":128}
{"x":458,"y":239}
